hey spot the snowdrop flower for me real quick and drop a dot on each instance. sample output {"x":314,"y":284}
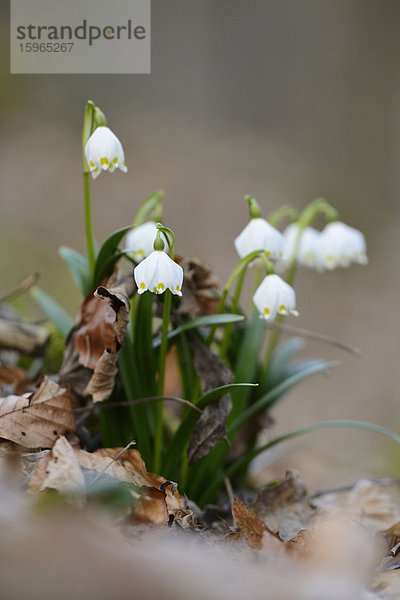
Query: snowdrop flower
{"x":157,"y":273}
{"x":274,"y":296}
{"x":340,"y":245}
{"x":259,"y":235}
{"x":104,"y":151}
{"x":308,"y":250}
{"x":140,"y":240}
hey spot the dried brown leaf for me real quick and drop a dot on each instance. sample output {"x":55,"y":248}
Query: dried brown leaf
{"x":201,"y":295}
{"x":101,"y":383}
{"x":24,"y":337}
{"x":211,"y":426}
{"x":13,"y":380}
{"x":134,"y":464}
{"x":366,"y":502}
{"x":37,"y":420}
{"x":250,"y":526}
{"x":63,"y":471}
{"x":285,"y":507}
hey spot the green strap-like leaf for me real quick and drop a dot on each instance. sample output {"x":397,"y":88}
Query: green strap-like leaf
{"x":202,"y":322}
{"x":184,"y":431}
{"x":52,"y":310}
{"x":268,"y":399}
{"x":104,"y":262}
{"x":147,"y":207}
{"x":78,"y":267}
{"x":280,"y":358}
{"x":246,"y":458}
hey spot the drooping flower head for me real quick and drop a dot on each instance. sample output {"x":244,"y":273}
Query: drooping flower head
{"x":340,"y":245}
{"x":158,"y":272}
{"x":259,"y":235}
{"x":274,"y":296}
{"x":308,"y":252}
{"x":140,"y":240}
{"x":104,"y":152}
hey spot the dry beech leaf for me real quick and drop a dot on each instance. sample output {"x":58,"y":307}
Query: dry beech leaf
{"x":134,"y":464}
{"x":250,"y":526}
{"x":26,"y":338}
{"x":13,"y":380}
{"x":211,"y":426}
{"x":285,"y":507}
{"x":63,"y":471}
{"x":38,"y":419}
{"x":366,"y":502}
{"x":101,"y":383}
{"x":201,"y":295}
{"x":115,"y":316}
{"x":65,"y":467}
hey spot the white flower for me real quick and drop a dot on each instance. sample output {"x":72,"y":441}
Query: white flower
{"x":140,"y":240}
{"x":308,"y":252}
{"x":274,"y":296}
{"x":104,"y":151}
{"x":157,"y":273}
{"x":340,"y":245}
{"x":259,"y":235}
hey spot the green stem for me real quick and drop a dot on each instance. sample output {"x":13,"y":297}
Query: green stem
{"x":87,"y":130}
{"x":88,"y":222}
{"x":235,"y":301}
{"x":158,"y":443}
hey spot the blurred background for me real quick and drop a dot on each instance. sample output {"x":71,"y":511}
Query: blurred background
{"x":286,"y":101}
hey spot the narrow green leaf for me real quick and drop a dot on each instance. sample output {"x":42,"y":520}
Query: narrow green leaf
{"x":271,"y":397}
{"x":248,"y":457}
{"x":147,"y":207}
{"x":52,"y":310}
{"x":246,"y":364}
{"x":182,"y":435}
{"x":280,"y":358}
{"x":104,"y":262}
{"x":78,"y":267}
{"x":202,"y":322}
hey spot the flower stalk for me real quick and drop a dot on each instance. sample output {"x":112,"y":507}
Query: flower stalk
{"x":86,"y":133}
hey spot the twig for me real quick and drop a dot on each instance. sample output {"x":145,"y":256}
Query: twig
{"x":229,"y":491}
{"x":318,"y":337}
{"x":131,"y":443}
{"x":22,"y":287}
{"x":139,"y":401}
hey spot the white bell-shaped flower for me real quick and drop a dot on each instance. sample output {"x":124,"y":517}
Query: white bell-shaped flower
{"x":308,"y":252}
{"x":157,"y":273}
{"x":140,"y":240}
{"x":104,"y":152}
{"x":340,"y":245}
{"x":260,"y":235}
{"x":274,"y":296}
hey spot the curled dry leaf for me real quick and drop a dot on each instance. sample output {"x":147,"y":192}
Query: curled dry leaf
{"x":103,"y":324}
{"x":366,"y":502}
{"x":201,"y":295}
{"x":97,"y":338}
{"x":211,"y":426}
{"x":134,"y":464}
{"x":250,"y":526}
{"x":37,"y":420}
{"x":66,"y":464}
{"x":285,"y":507}
{"x":14,"y":380}
{"x":26,"y":338}
{"x":101,"y":384}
